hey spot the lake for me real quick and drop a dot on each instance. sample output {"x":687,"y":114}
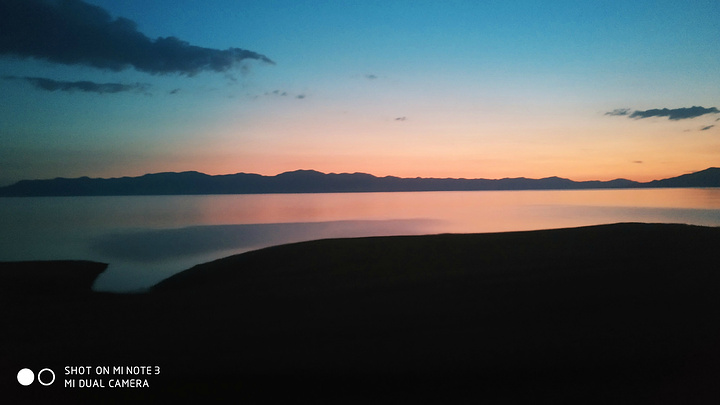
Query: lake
{"x":148,"y":238}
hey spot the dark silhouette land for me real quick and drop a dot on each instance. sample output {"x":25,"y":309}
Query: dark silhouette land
{"x":310,"y":181}
{"x":624,"y":313}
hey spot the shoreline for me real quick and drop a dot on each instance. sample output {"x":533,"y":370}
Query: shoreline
{"x":618,"y":313}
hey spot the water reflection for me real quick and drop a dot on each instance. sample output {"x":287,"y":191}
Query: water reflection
{"x":148,"y":238}
{"x":141,"y":258}
{"x":163,"y":244}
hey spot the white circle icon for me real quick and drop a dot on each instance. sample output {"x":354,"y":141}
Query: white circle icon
{"x":52,"y":380}
{"x":26,"y":377}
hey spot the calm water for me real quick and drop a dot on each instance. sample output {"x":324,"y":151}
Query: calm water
{"x":146,"y":239}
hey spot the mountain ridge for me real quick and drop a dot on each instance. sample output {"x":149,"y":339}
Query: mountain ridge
{"x":313,"y":181}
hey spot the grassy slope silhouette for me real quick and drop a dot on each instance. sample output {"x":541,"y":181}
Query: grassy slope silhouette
{"x":605,"y":314}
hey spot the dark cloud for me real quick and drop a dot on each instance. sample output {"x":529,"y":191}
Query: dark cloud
{"x":300,"y":96}
{"x":637,"y":161}
{"x":675,"y":114}
{"x":73,"y":32}
{"x":86,"y":86}
{"x":401,"y":119}
{"x":707,"y":127}
{"x":618,"y":112}
{"x":371,"y":76}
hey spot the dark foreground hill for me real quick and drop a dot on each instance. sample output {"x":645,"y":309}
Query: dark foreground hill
{"x":310,"y":181}
{"x":624,"y":313}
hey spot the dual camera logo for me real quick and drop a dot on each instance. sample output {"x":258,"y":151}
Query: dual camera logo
{"x":44,"y":377}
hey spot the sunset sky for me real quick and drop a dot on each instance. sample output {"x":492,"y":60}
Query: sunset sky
{"x":578,"y":89}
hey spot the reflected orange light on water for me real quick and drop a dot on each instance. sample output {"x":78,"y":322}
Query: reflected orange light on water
{"x":459,"y":211}
{"x":147,"y":238}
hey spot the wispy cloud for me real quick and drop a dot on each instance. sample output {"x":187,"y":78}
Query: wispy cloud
{"x":371,"y":76}
{"x":707,"y":127}
{"x":675,"y":114}
{"x":618,"y":112}
{"x":401,"y":119}
{"x":280,"y":93}
{"x":672,"y":114}
{"x":72,"y":32}
{"x":85,"y":86}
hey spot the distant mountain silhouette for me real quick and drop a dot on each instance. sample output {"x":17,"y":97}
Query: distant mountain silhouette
{"x":705,"y":178}
{"x":311,"y":181}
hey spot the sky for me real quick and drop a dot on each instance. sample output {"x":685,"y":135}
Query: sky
{"x":587,"y":90}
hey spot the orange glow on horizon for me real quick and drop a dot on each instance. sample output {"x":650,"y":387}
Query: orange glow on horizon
{"x":440,"y":168}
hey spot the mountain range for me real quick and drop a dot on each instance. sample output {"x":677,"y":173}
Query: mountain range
{"x":311,"y":181}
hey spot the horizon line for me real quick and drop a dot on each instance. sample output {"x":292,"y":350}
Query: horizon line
{"x":348,"y":173}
